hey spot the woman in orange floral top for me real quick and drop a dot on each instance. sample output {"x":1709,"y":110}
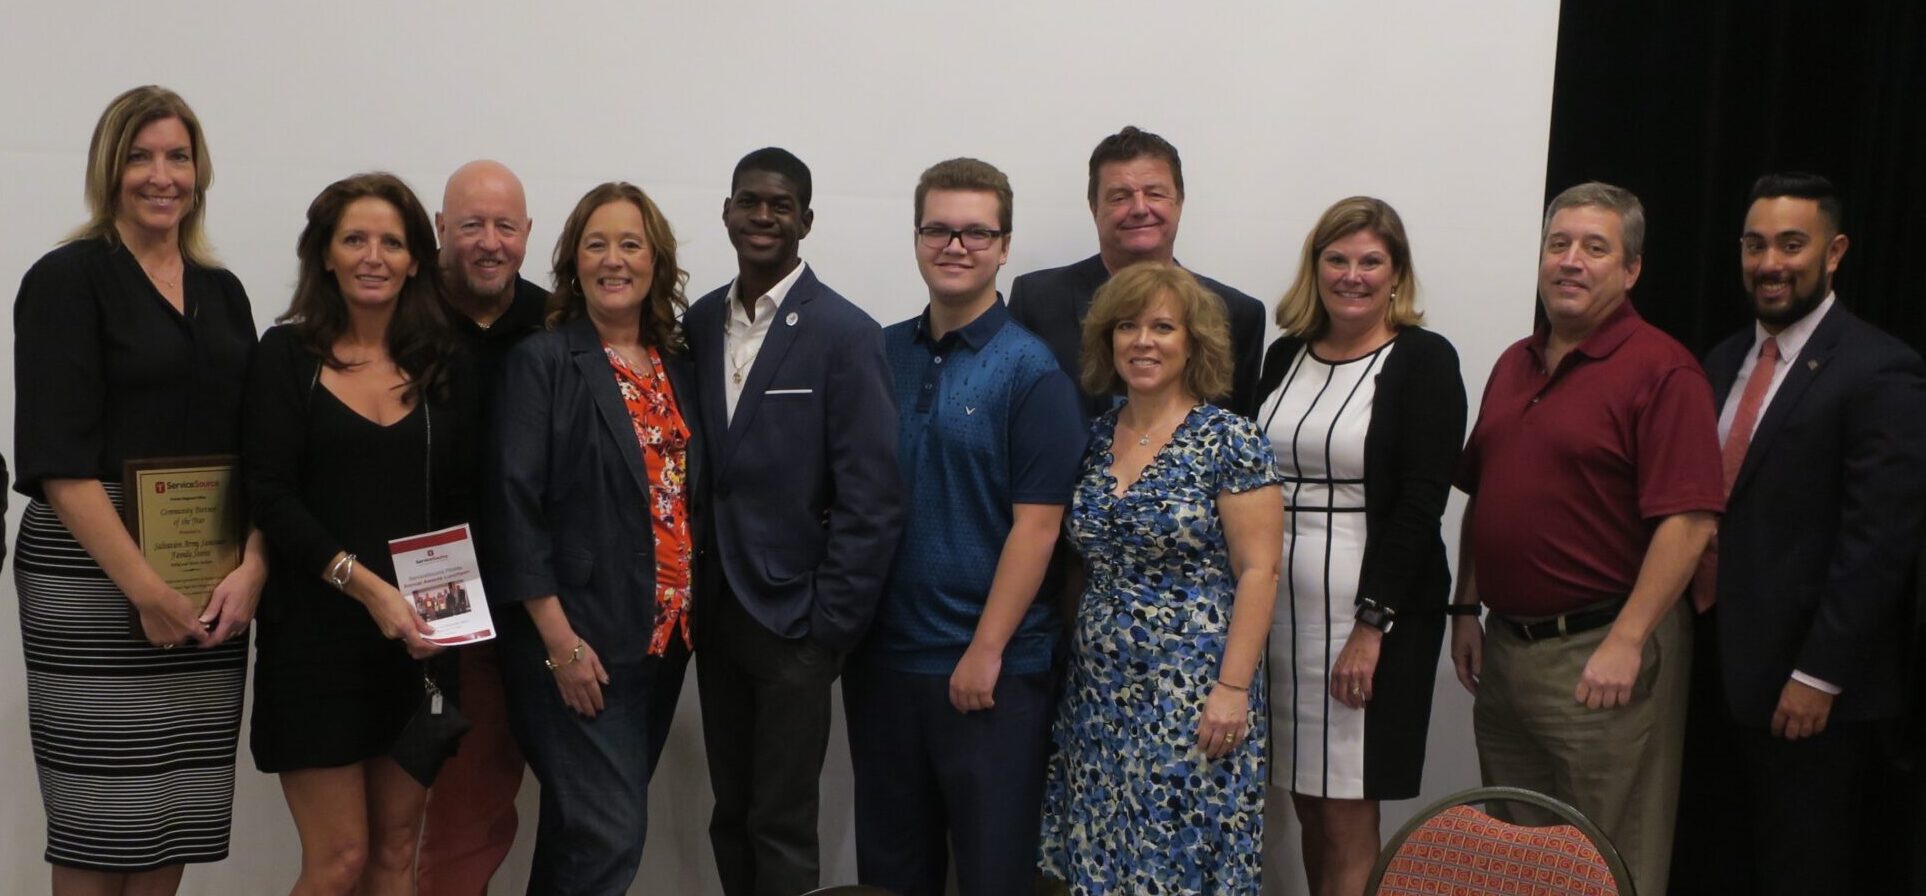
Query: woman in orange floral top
{"x":589,"y":530}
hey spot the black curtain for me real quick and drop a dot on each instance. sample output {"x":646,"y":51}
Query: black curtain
{"x":1686,"y":103}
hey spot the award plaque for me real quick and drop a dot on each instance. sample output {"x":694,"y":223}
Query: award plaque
{"x":185,"y":514}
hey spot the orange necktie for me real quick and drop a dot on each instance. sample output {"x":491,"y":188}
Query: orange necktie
{"x":1706,"y":582}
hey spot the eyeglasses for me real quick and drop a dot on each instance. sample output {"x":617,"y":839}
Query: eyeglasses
{"x":975,"y":239}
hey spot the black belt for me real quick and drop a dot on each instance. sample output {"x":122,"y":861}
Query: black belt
{"x":1564,"y":625}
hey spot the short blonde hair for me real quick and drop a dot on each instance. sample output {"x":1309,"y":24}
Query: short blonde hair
{"x":107,"y":155}
{"x":1208,"y":373}
{"x":1301,"y":313}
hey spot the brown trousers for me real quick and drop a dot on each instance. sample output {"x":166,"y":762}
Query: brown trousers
{"x":1618,"y":766}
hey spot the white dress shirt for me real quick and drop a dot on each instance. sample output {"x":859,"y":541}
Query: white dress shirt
{"x":742,"y":334}
{"x":1792,"y":341}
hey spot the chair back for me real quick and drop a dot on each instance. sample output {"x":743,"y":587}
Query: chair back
{"x":1452,"y":848}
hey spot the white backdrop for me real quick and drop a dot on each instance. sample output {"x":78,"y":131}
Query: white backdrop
{"x":1279,"y":108}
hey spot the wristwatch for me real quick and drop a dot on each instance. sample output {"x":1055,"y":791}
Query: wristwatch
{"x":1376,"y":615}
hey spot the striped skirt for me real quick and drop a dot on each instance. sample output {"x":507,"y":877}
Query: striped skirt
{"x":134,"y":745}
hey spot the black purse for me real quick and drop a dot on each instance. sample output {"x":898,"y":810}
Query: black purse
{"x":434,"y":732}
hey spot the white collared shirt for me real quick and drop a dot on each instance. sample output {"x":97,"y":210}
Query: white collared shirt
{"x":1792,"y":341}
{"x":742,"y":336}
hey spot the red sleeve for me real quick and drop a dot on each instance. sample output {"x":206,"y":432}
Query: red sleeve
{"x":1678,"y":462}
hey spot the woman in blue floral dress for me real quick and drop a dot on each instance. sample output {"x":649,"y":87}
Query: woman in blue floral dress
{"x":1157,"y":785}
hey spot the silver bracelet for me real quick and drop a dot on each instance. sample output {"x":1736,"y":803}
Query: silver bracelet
{"x":341,"y":571}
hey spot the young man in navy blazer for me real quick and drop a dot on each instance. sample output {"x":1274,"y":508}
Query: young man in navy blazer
{"x":1136,"y":194}
{"x":1803,"y":618}
{"x":806,"y":508}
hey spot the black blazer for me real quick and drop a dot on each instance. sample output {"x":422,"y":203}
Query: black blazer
{"x":1411,"y":452}
{"x":1823,"y":523}
{"x":1052,"y":304}
{"x":567,"y":501}
{"x":808,"y":502}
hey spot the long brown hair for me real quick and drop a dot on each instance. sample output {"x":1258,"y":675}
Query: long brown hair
{"x":666,"y":301}
{"x":419,"y":339}
{"x":107,"y":155}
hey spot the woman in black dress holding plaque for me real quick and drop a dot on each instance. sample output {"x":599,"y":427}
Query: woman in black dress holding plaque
{"x":360,"y":429}
{"x":130,"y":343}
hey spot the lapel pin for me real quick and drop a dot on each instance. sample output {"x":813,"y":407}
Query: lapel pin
{"x":792,"y":318}
{"x":1811,"y":364}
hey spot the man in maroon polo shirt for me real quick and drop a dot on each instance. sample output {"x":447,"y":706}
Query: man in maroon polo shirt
{"x":1595,"y":480}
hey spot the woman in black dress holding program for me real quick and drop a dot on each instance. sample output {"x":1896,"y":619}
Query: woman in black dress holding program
{"x":360,"y":429}
{"x":130,"y":343}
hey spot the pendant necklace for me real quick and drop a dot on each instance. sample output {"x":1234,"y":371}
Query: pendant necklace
{"x":1143,"y":435}
{"x":158,"y":279}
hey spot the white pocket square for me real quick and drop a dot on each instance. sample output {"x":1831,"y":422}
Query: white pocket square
{"x":788,"y":391}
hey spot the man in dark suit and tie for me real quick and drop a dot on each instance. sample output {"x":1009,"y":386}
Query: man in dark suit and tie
{"x":803,"y":519}
{"x":1823,"y":423}
{"x":1136,"y":198}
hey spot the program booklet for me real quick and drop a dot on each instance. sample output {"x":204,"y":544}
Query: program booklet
{"x":438,"y":573}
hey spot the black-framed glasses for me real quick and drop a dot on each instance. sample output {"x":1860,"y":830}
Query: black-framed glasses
{"x":975,"y":239}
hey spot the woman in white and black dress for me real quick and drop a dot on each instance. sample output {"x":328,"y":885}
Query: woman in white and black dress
{"x":130,"y":343}
{"x":1365,"y":410}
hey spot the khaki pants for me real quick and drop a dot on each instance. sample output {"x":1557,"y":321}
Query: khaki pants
{"x":1618,"y":766}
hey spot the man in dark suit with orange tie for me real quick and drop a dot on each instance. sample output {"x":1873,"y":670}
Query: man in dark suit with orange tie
{"x":805,"y":508}
{"x":1136,"y":197}
{"x":1823,"y":424}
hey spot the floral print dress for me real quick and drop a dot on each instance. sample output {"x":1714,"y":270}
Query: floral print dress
{"x":1131,"y":805}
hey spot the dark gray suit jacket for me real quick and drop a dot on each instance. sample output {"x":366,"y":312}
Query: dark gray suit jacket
{"x":568,"y":496}
{"x":1052,"y":304}
{"x":1823,"y":523}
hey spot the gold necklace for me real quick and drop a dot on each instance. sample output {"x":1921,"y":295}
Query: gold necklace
{"x":737,"y":363}
{"x":158,"y":279}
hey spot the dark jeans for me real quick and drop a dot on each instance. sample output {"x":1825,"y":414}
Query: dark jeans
{"x":929,"y":778}
{"x":765,"y":725}
{"x":594,"y":772}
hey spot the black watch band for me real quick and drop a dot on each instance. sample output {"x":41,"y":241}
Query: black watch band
{"x":1464,"y":610}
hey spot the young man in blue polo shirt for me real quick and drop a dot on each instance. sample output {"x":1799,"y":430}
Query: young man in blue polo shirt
{"x":949,"y":700}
